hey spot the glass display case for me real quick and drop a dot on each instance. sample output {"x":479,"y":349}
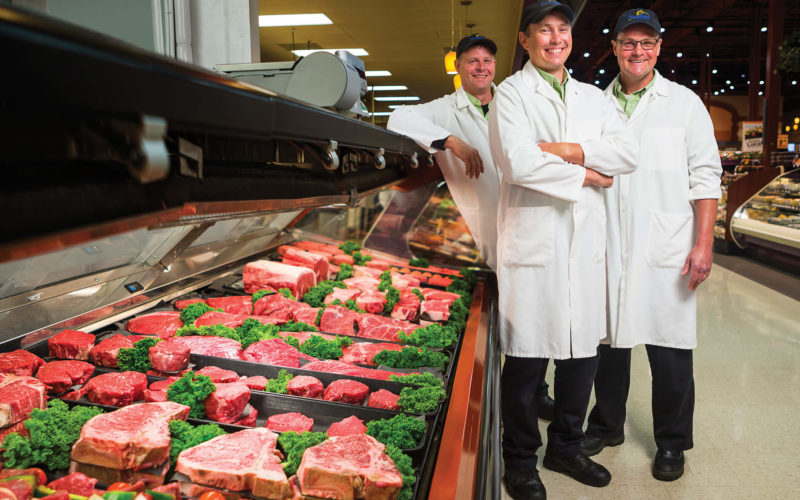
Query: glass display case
{"x":771,"y":218}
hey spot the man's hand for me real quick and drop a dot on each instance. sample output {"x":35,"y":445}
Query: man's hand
{"x":467,"y":154}
{"x":571,"y":152}
{"x":698,"y":265}
{"x":594,"y":178}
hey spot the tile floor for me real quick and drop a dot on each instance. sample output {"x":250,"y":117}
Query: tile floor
{"x":746,"y":432}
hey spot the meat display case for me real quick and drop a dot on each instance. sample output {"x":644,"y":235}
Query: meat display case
{"x":132,"y":179}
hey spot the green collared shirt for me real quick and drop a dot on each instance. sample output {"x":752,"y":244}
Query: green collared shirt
{"x":628,"y":103}
{"x":482,"y":108}
{"x":559,"y":86}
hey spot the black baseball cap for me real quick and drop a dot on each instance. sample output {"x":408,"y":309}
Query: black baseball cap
{"x":535,"y":12}
{"x":473,"y":40}
{"x":637,"y":16}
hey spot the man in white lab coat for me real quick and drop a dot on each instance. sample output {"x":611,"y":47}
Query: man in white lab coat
{"x":553,"y":139}
{"x":660,"y":235}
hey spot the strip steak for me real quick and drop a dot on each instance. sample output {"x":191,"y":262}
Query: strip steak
{"x":61,"y":375}
{"x":106,"y":351}
{"x":18,"y":396}
{"x":284,"y":422}
{"x":372,"y":326}
{"x":347,"y":427}
{"x":20,"y":362}
{"x":70,"y":344}
{"x":274,"y":352}
{"x":164,"y":324}
{"x":169,"y":356}
{"x":363,"y":352}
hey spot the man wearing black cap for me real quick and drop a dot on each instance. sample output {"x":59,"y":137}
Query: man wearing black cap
{"x":557,"y":142}
{"x":660,"y":234}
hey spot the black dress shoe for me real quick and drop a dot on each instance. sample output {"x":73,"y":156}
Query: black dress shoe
{"x":524,"y":484}
{"x":593,"y":445}
{"x":668,"y":465}
{"x":545,"y":407}
{"x":579,"y":468}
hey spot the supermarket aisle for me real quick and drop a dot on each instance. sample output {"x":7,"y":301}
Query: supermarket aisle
{"x":747,"y":377}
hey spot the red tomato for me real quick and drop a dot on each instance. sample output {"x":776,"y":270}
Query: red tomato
{"x":120,"y":486}
{"x":211,"y":495}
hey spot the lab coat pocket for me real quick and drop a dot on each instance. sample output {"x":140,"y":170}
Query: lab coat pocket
{"x":662,"y":149}
{"x":587,"y":130}
{"x":669,"y":239}
{"x":528,"y":237}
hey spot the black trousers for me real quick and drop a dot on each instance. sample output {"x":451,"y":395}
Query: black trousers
{"x":541,"y":389}
{"x":672,"y":398}
{"x":572,"y":387}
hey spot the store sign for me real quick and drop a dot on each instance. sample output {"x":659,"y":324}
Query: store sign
{"x":783,"y":141}
{"x":752,"y":136}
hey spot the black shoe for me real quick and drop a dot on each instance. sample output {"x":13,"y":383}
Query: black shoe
{"x":593,"y":445}
{"x":668,"y":465}
{"x":524,"y":484}
{"x":579,"y":468}
{"x":545,"y":407}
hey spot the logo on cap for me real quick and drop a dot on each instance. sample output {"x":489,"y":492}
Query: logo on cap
{"x":640,"y":12}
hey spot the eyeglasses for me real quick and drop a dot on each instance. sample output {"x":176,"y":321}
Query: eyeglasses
{"x":647,"y":44}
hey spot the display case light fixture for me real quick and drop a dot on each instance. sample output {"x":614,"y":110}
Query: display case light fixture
{"x":379,"y":88}
{"x":398,"y":98}
{"x":293,"y":20}
{"x":356,"y":52}
{"x":380,"y":72}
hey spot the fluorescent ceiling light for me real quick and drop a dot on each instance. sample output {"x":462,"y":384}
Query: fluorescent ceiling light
{"x":395,"y":106}
{"x":381,"y":72}
{"x":398,"y":98}
{"x":381,"y":113}
{"x":452,"y":72}
{"x":355,"y":52}
{"x":293,"y":20}
{"x":378,"y":88}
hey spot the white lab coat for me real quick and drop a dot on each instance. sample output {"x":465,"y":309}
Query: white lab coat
{"x":551,"y":230}
{"x":476,"y":199}
{"x":651,"y":224}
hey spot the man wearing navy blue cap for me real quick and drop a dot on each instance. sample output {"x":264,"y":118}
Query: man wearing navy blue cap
{"x":660,"y":234}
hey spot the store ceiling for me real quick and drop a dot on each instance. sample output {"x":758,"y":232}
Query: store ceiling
{"x":410,"y":38}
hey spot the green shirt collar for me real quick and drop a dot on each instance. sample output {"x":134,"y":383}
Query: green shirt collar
{"x":628,"y":103}
{"x":484,"y":111}
{"x":560,"y":87}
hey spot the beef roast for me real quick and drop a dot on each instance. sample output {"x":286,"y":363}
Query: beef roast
{"x":164,"y":324}
{"x":342,"y":368}
{"x":219,"y":347}
{"x":347,"y":427}
{"x":354,"y":466}
{"x":372,"y":326}
{"x":272,"y":303}
{"x":183,"y":304}
{"x":383,"y":399}
{"x":305,"y":386}
{"x":235,"y":320}
{"x":227,"y":402}
{"x":76,"y":483}
{"x":218,"y":375}
{"x":20,"y":362}
{"x":133,"y":437}
{"x":274,"y":352}
{"x":244,"y":460}
{"x":239,"y":304}
{"x":169,"y":356}
{"x":342,"y":295}
{"x":106,"y":351}
{"x":284,"y":422}
{"x":61,"y":375}
{"x":116,"y":389}
{"x":346,"y":391}
{"x":338,"y":319}
{"x":70,"y":344}
{"x":371,"y":302}
{"x":304,"y":313}
{"x":274,"y":275}
{"x":18,"y":396}
{"x":363,"y":352}
{"x":302,"y":258}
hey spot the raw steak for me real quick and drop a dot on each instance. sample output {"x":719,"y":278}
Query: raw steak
{"x":106,"y":351}
{"x":363,"y":352}
{"x":440,"y":281}
{"x":342,"y":368}
{"x":316,"y":262}
{"x":333,"y":272}
{"x":61,"y":375}
{"x":304,"y":313}
{"x":305,"y":386}
{"x":338,"y":319}
{"x":368,"y":272}
{"x":436,"y":310}
{"x":164,"y":324}
{"x":235,"y":320}
{"x":255,"y":383}
{"x":274,"y":352}
{"x":349,"y":467}
{"x":347,"y":427}
{"x":227,"y":402}
{"x":284,"y":422}
{"x":116,"y":389}
{"x":342,"y":294}
{"x":378,"y":264}
{"x":371,"y":302}
{"x":271,"y":303}
{"x":240,"y":304}
{"x":434,"y":294}
{"x":346,"y":391}
{"x":76,"y":483}
{"x":407,"y":308}
{"x":169,"y":356}
{"x":183,"y":304}
{"x":248,"y":418}
{"x":372,"y":326}
{"x":363,"y":283}
{"x":219,"y":347}
{"x":321,"y":247}
{"x":403,"y":281}
{"x":134,"y":437}
{"x":19,"y":428}
{"x":263,"y":273}
{"x":218,"y":375}
{"x":70,"y":344}
{"x":16,"y":489}
{"x":20,"y":362}
{"x":18,"y":396}
{"x":151,"y":396}
{"x":383,"y":399}
{"x":342,"y":259}
{"x":244,"y":460}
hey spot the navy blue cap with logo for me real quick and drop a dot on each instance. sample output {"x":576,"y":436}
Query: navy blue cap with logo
{"x":535,"y":12}
{"x":637,"y":16}
{"x":474,"y":40}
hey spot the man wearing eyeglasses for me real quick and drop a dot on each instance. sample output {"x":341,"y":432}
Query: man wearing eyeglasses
{"x":660,"y":235}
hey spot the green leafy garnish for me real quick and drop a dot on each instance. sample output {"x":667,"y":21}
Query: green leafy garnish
{"x":419,"y":295}
{"x":361,"y":260}
{"x":137,"y":358}
{"x":345,"y":271}
{"x":252,"y":331}
{"x":321,"y":310}
{"x":294,"y":444}
{"x":292,"y":341}
{"x":350,"y":304}
{"x":434,"y":335}
{"x":207,"y":331}
{"x":418,"y":379}
{"x":411,"y":357}
{"x":419,"y":262}
{"x":191,"y":390}
{"x":297,"y":326}
{"x":403,"y":464}
{"x":402,"y":431}
{"x":385,"y":276}
{"x":286,"y":293}
{"x":349,"y":247}
{"x":321,"y":348}
{"x":278,"y":384}
{"x":422,"y":400}
{"x":261,"y":293}
{"x":185,"y":435}
{"x":315,"y":297}
{"x":392,"y":298}
{"x":193,"y":311}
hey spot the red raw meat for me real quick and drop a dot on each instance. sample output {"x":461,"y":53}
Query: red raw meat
{"x":169,"y":356}
{"x":173,"y":488}
{"x":133,"y":437}
{"x":218,"y":375}
{"x":305,"y":386}
{"x":304,"y":313}
{"x":382,"y":265}
{"x":371,"y":302}
{"x":342,"y":294}
{"x":383,"y":399}
{"x":272,"y":303}
{"x":343,"y":259}
{"x":274,"y":352}
{"x":402,"y":281}
{"x":18,"y":396}
{"x":61,"y":375}
{"x":333,"y":272}
{"x":315,"y":262}
{"x":284,"y":422}
{"x":70,"y":344}
{"x":116,"y":389}
{"x":19,"y":428}
{"x":151,"y":396}
{"x":255,"y":383}
{"x":338,"y":319}
{"x":363,"y":283}
{"x":76,"y":483}
{"x":20,"y":489}
{"x":248,"y":420}
{"x":20,"y":362}
{"x":244,"y":460}
{"x":436,"y":310}
{"x":440,"y":281}
{"x":183,"y":304}
{"x":342,"y":368}
{"x":219,"y":347}
{"x":373,"y":326}
{"x":106,"y":351}
{"x":240,"y":304}
{"x":274,"y":275}
{"x":320,"y":247}
{"x":363,"y":352}
{"x":407,"y":308}
{"x":235,"y":320}
{"x":354,"y":466}
{"x":162,"y":385}
{"x":58,"y":495}
{"x":368,"y":272}
{"x":164,"y":324}
{"x":347,"y":427}
{"x":227,"y":402}
{"x":37,"y":473}
{"x":434,"y":294}
{"x":346,"y":391}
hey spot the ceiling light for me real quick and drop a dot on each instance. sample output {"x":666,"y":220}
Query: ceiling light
{"x":673,"y":71}
{"x":663,"y":29}
{"x":728,"y":82}
{"x":716,"y":93}
{"x":395,"y":106}
{"x":710,"y":27}
{"x":722,"y":91}
{"x":378,"y":88}
{"x":713,"y":71}
{"x":743,"y":76}
{"x":605,"y":31}
{"x":797,"y":119}
{"x":398,"y":98}
{"x":708,"y":54}
{"x":570,"y":71}
{"x":355,"y":52}
{"x":602,"y":71}
{"x":788,"y":128}
{"x":763,"y":29}
{"x":794,"y":82}
{"x":293,"y":20}
{"x":381,"y":113}
{"x":760,"y":92}
{"x":731,"y":87}
{"x":381,"y":72}
{"x":694,"y":82}
{"x":679,"y":54}
{"x":586,"y":54}
{"x":761,"y":82}
{"x":597,"y":82}
{"x":450,"y":62}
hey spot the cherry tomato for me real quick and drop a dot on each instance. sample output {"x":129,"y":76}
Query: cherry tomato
{"x":120,"y":486}
{"x":212,"y":495}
